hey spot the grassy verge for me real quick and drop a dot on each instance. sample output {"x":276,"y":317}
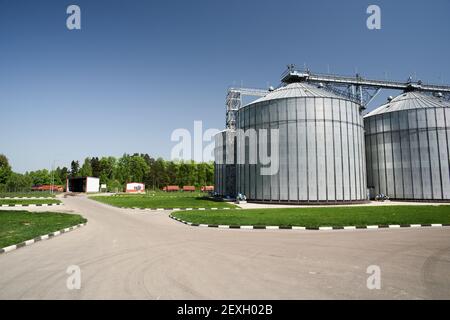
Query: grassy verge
{"x":42,"y":194}
{"x":178,"y":200}
{"x":28,"y":201}
{"x":18,"y":226}
{"x":322,"y":217}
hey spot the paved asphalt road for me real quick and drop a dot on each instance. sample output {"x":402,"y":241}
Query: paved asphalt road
{"x":134,"y":254}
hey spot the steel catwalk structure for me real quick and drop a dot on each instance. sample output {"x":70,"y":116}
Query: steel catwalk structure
{"x":234,"y":102}
{"x":321,"y":147}
{"x":359,"y":89}
{"x":407,"y":147}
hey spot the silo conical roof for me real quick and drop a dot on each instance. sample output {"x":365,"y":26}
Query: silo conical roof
{"x":408,"y":101}
{"x":297,"y":90}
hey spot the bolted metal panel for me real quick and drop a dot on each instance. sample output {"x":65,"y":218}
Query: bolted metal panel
{"x":292,"y":151}
{"x":411,"y":158}
{"x":225,"y":169}
{"x":321,"y":149}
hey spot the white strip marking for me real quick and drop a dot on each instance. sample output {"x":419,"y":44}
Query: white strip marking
{"x":372,"y":227}
{"x":415,"y":226}
{"x":188,"y":209}
{"x":246,"y":227}
{"x":28,"y":242}
{"x":202,"y":225}
{"x":44,"y":237}
{"x":325,"y":228}
{"x":436,"y":225}
{"x":160,"y":209}
{"x":214,"y":209}
{"x":272,"y":227}
{"x":17,"y":205}
{"x":394,"y":226}
{"x":350,"y":228}
{"x":224,"y":226}
{"x":298,"y":228}
{"x":10,"y":248}
{"x":56,"y":233}
{"x":201,"y":209}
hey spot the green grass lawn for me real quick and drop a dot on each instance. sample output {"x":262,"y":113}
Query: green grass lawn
{"x":322,"y":217}
{"x":19,"y":226}
{"x":43,"y":194}
{"x":166,"y":200}
{"x":28,"y":201}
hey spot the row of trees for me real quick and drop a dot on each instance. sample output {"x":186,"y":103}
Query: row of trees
{"x":114,"y":172}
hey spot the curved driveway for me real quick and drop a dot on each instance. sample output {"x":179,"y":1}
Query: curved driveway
{"x":133,"y":254}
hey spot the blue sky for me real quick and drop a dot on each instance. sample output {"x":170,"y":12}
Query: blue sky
{"x":137,"y":70}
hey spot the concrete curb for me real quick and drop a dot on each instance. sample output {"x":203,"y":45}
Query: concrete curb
{"x":31,"y":205}
{"x":25,"y":198}
{"x":259,"y":227}
{"x":180,"y":209}
{"x":40,"y":238}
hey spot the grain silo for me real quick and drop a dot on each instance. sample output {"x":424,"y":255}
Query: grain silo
{"x":407,"y":147}
{"x":321,"y":147}
{"x":224,"y":167}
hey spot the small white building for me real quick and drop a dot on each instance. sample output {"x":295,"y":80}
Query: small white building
{"x":135,"y":187}
{"x":83,"y":184}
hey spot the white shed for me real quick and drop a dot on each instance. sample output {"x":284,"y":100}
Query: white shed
{"x":83,"y":184}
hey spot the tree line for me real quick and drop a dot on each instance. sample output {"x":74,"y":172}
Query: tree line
{"x":114,"y":172}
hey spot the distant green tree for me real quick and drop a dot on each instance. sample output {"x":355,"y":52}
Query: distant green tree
{"x":172,"y":172}
{"x":96,"y":168}
{"x":155,"y":173}
{"x":86,"y":169}
{"x":19,"y":183}
{"x":40,"y":177}
{"x":150,"y":178}
{"x":63,"y":174}
{"x":210,"y":173}
{"x":160,"y":173}
{"x":75,"y":169}
{"x":5,"y":169}
{"x":201,"y":170}
{"x":131,"y":168}
{"x":107,"y":169}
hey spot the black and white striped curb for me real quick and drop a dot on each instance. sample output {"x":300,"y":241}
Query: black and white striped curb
{"x":25,"y":198}
{"x":40,"y":238}
{"x":180,"y":209}
{"x":391,"y":226}
{"x":31,"y":205}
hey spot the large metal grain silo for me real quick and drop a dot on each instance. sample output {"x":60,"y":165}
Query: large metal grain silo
{"x":407,"y":147}
{"x":224,"y":166}
{"x":321,"y":147}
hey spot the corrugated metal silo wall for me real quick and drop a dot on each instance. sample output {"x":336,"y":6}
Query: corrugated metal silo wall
{"x":225,"y":172}
{"x":321,"y":151}
{"x":408,"y":153}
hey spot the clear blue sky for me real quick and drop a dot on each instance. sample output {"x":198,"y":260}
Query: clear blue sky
{"x":137,"y":70}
